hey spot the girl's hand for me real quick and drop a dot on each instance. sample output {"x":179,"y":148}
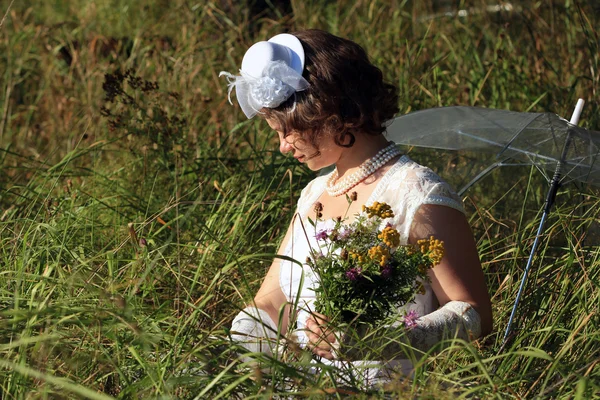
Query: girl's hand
{"x":321,"y":339}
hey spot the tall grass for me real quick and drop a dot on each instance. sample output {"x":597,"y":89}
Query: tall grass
{"x":131,"y":231}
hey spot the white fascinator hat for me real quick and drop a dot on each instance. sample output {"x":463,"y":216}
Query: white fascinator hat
{"x":271,"y":73}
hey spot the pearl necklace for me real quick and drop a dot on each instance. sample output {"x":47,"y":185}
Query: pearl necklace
{"x":366,"y":169}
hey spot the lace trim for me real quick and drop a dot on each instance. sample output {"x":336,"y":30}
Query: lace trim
{"x":317,"y":191}
{"x":383,"y":183}
{"x":444,"y":201}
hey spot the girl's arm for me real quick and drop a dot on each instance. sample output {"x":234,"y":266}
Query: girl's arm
{"x":256,"y":326}
{"x":459,"y":276}
{"x":270,"y":297}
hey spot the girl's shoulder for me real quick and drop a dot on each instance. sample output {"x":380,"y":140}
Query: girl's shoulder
{"x":407,"y":186}
{"x":409,"y":180}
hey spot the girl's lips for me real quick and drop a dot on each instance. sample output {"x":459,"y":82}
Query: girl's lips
{"x":299,"y":158}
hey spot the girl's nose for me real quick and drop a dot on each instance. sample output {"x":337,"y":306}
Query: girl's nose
{"x":284,"y":145}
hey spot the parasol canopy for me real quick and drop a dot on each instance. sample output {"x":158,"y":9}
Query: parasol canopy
{"x":537,"y":139}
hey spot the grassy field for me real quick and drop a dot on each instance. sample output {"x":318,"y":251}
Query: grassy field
{"x":139,"y":210}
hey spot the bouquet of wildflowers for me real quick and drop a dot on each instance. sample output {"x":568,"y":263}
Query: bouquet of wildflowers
{"x":364,"y":272}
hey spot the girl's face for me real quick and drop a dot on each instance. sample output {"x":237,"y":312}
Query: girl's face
{"x":328,"y":152}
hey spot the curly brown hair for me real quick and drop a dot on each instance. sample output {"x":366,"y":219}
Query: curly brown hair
{"x":347,"y":93}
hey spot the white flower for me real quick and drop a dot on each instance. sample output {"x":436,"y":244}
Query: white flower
{"x":278,"y":83}
{"x":270,"y":92}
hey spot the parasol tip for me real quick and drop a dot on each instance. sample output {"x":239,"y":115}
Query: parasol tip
{"x":577,"y":112}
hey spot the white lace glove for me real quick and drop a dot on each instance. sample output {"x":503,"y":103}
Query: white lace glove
{"x":254,"y":329}
{"x":454,"y":319}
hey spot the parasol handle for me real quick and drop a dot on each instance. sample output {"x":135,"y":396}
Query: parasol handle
{"x":577,"y":112}
{"x":554,"y":184}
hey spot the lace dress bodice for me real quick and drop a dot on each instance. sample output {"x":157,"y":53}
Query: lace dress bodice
{"x":405,"y":187}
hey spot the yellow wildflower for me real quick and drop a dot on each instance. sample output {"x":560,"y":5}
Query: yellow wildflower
{"x":360,"y":258}
{"x":433,"y":247}
{"x":379,"y":254}
{"x":390,"y":236}
{"x":381,"y":210}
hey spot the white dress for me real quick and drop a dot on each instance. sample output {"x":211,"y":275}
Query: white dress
{"x":405,"y":187}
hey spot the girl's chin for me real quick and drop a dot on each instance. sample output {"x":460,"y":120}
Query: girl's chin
{"x":316,"y":163}
{"x":313,"y":166}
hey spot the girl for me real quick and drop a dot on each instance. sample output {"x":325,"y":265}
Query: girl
{"x":329,"y":106}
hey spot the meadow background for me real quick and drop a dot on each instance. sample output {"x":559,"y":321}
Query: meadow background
{"x":139,"y":210}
